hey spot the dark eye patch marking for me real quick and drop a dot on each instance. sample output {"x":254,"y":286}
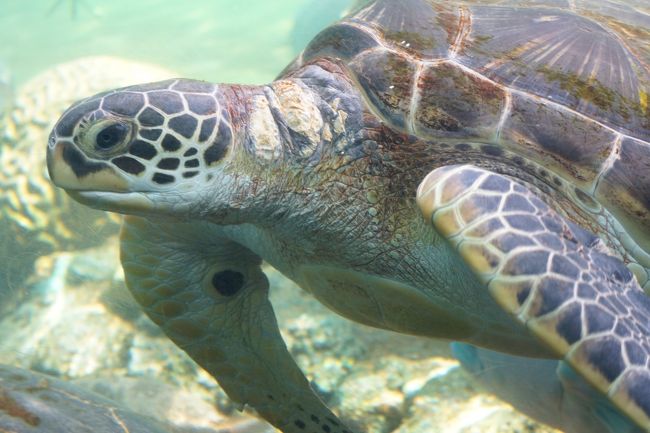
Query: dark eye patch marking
{"x":78,"y":162}
{"x":192,"y":163}
{"x":150,"y":134}
{"x":191,"y":151}
{"x":201,"y":104}
{"x":218,"y":149}
{"x":66,"y":125}
{"x":142,"y":149}
{"x":150,"y":117}
{"x":185,"y":125}
{"x":194,"y":86}
{"x":162,"y":178}
{"x":128,"y":164}
{"x":169,"y":163}
{"x":207,"y":126}
{"x":125,"y":103}
{"x":170,"y":143}
{"x":168,"y":102}
{"x":190,"y":174}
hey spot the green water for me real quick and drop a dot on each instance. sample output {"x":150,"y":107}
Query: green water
{"x":246,"y":41}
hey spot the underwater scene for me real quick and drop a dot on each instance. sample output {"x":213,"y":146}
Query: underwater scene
{"x":79,"y":354}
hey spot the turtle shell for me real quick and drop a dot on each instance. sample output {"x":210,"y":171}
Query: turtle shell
{"x":560,"y":83}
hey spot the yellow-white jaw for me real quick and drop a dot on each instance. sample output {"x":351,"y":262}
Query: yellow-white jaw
{"x":104,"y":188}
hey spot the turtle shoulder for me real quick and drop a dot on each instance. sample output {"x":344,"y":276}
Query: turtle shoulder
{"x":557,"y":82}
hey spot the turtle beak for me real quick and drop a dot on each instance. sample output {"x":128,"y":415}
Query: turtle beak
{"x":71,"y":170}
{"x":93,"y":183}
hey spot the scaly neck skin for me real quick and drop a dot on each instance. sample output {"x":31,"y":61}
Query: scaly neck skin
{"x":290,"y":138}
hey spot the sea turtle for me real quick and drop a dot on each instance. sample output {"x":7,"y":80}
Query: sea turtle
{"x":35,"y":218}
{"x":429,"y":167}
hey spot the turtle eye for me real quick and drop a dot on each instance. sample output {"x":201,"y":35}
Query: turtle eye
{"x":111,"y":136}
{"x":106,"y":137}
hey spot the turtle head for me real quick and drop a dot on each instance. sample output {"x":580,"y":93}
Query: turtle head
{"x":142,"y":149}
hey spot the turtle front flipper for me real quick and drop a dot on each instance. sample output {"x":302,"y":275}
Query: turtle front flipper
{"x":212,"y":301}
{"x":553,"y":276}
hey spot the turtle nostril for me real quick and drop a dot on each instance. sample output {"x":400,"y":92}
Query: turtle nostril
{"x":111,"y":136}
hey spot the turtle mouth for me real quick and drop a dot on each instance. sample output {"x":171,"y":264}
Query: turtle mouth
{"x":121,"y":202}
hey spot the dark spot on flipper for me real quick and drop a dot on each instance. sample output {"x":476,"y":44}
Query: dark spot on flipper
{"x":190,"y":174}
{"x":65,"y":126}
{"x":569,"y":326}
{"x":228,"y":282}
{"x":162,"y":178}
{"x":150,"y":134}
{"x":300,"y":424}
{"x":77,"y":161}
{"x":124,"y":103}
{"x":191,"y":152}
{"x":605,"y":356}
{"x":184,"y":125}
{"x":168,"y":102}
{"x":150,"y":117}
{"x":169,"y":163}
{"x":142,"y":149}
{"x":192,"y":163}
{"x":171,"y":143}
{"x":326,"y":428}
{"x":128,"y":164}
{"x":463,"y":147}
{"x":314,"y":418}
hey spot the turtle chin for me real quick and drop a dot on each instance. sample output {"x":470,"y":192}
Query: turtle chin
{"x":135,"y":203}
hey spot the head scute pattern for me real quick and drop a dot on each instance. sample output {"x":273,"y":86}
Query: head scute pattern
{"x":175,"y":130}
